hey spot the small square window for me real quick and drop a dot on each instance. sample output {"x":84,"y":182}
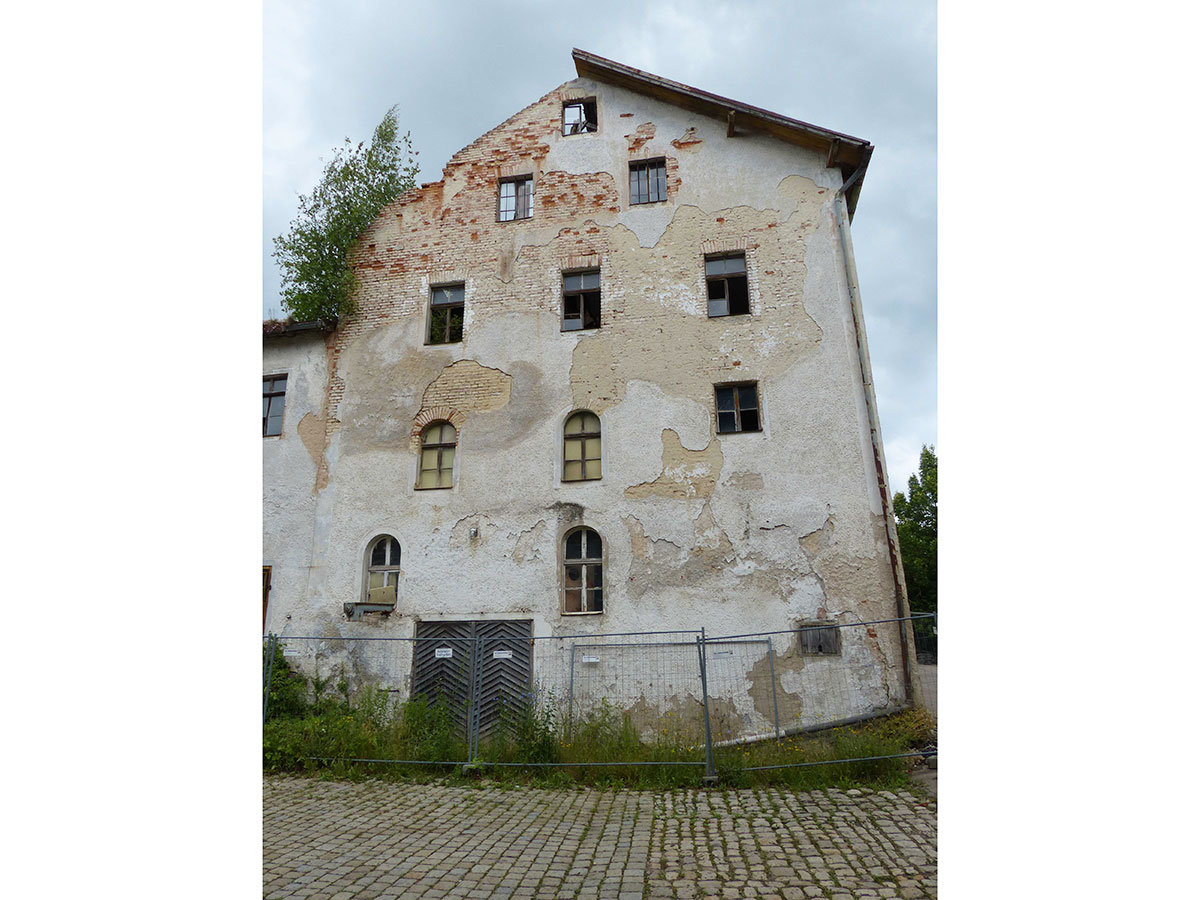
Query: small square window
{"x":579,"y":117}
{"x":274,"y":388}
{"x":737,"y":408}
{"x":648,"y":181}
{"x":820,"y":640}
{"x":581,"y":300}
{"x":446,"y":304}
{"x":516,"y":198}
{"x":727,"y":291}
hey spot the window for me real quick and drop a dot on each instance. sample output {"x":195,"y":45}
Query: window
{"x":383,"y":570}
{"x":581,"y":300}
{"x":583,"y":565}
{"x":581,"y":447}
{"x":820,"y":640}
{"x":273,"y":391}
{"x":579,"y":116}
{"x":446,"y":313}
{"x":438,"y":441}
{"x":727,"y":293}
{"x":516,"y":198}
{"x":737,"y":408}
{"x":648,"y":181}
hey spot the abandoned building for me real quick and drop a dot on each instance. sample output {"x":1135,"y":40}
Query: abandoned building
{"x":608,"y":375}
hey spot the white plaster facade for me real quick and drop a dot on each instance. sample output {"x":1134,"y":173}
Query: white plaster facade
{"x":742,"y":532}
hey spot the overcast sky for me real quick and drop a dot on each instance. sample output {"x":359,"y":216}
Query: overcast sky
{"x":455,"y":70}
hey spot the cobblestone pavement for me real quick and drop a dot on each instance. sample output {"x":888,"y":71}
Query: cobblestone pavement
{"x":366,"y":840}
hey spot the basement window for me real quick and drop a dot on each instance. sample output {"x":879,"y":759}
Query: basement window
{"x":446,"y":304}
{"x":727,"y":291}
{"x":583,"y":572}
{"x":581,"y":300}
{"x":648,"y":181}
{"x":820,"y":640}
{"x":274,"y":387}
{"x":516,"y":198}
{"x":737,"y":408}
{"x":579,"y":116}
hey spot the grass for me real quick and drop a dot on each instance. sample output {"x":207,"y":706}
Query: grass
{"x":317,"y":731}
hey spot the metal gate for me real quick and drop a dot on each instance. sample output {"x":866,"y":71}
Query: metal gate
{"x":481,"y":669}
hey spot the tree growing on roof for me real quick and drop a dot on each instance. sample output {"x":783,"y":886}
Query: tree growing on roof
{"x":916,"y":524}
{"x":318,"y":281}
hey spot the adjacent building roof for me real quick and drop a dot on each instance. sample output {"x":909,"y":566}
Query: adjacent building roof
{"x":846,"y":152}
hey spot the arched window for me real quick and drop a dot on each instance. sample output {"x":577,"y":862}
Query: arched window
{"x":383,"y":570}
{"x":581,"y":447}
{"x":583,"y":572}
{"x":438,"y":441}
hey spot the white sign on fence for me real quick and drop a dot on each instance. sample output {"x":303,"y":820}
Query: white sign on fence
{"x":501,"y":654}
{"x":287,"y":652}
{"x":591,"y":659}
{"x":443,"y":653}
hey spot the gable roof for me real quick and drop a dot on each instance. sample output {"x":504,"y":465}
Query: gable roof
{"x":844,"y":151}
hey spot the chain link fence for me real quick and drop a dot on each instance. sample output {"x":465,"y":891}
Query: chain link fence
{"x":493,"y":693}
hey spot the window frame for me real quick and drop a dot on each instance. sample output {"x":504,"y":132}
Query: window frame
{"x":582,"y":438}
{"x":649,"y":165}
{"x":269,"y":396}
{"x":807,"y":629}
{"x":594,"y":121}
{"x":724,"y":278}
{"x":590,"y":563}
{"x":738,"y":408}
{"x":582,"y":293}
{"x":440,"y":447}
{"x":390,"y":568}
{"x":434,"y":307}
{"x":514,"y":180}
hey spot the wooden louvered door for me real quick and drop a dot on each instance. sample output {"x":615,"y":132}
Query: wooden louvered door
{"x":481,"y":669}
{"x":505,"y":672}
{"x":443,"y":666}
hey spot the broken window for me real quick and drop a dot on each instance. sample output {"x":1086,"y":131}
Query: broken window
{"x":727,"y":292}
{"x":648,"y":181}
{"x":516,"y":198}
{"x":583,"y":572}
{"x":737,"y":408}
{"x":579,"y":116}
{"x":820,"y":640}
{"x":274,"y":387}
{"x":383,"y":570}
{"x":446,"y":313}
{"x":581,"y":300}
{"x":581,"y":447}
{"x":438,"y":442}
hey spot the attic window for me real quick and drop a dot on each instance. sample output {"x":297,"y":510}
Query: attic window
{"x":727,"y":292}
{"x":516,"y":198}
{"x":579,"y":116}
{"x":648,"y":181}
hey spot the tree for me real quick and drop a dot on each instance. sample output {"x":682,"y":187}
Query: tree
{"x":916,"y":523}
{"x":318,"y":282}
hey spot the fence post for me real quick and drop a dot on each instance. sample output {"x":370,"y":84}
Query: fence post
{"x":774,"y":697}
{"x":270,"y":665}
{"x":571,"y":692}
{"x":476,"y":691}
{"x":710,"y":769}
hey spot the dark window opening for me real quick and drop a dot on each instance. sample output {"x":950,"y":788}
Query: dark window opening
{"x":648,"y":181}
{"x":274,"y":387}
{"x":579,"y":117}
{"x":583,"y":572}
{"x":516,"y":198}
{"x":446,"y":314}
{"x":820,"y":640}
{"x":727,"y":291}
{"x":737,"y":408}
{"x":581,"y":300}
